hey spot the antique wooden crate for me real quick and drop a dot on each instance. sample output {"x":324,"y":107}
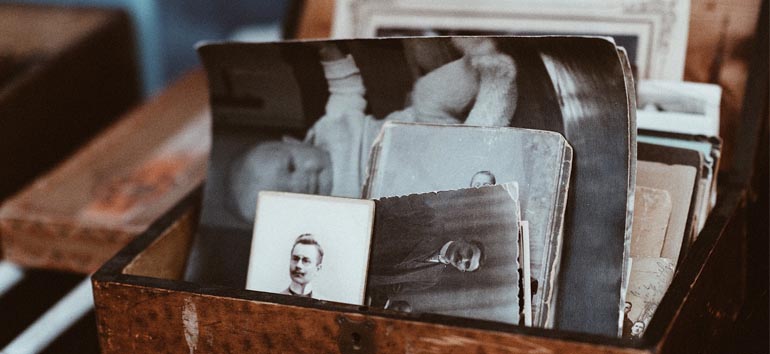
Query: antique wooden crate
{"x":62,"y":70}
{"x":80,"y":214}
{"x":142,"y":306}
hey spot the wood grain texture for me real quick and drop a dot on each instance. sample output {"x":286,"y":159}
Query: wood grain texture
{"x":712,"y":279}
{"x":59,"y":245}
{"x":147,"y":314}
{"x":166,"y":257}
{"x":136,"y":319}
{"x":78,"y":215}
{"x":719,"y":47}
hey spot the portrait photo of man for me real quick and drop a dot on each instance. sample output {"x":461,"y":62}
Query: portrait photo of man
{"x":318,"y":256}
{"x":627,"y":323}
{"x":422,"y":267}
{"x":305,"y":262}
{"x":449,"y":252}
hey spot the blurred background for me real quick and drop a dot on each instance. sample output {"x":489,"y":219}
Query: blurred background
{"x":165,"y":34}
{"x":167,"y":31}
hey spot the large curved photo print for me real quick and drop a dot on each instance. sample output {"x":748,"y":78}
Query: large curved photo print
{"x":302,"y":117}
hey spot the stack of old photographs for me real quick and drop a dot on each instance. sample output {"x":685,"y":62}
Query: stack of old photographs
{"x":414,"y":158}
{"x":678,"y":128}
{"x":425,"y":255}
{"x":678,"y":152}
{"x":684,"y":115}
{"x":484,"y":176}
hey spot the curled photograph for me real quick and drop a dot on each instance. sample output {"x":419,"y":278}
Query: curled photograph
{"x":302,"y":117}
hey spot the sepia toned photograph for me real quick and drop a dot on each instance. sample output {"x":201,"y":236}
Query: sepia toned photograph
{"x":680,"y":182}
{"x":650,"y":278}
{"x":304,"y":247}
{"x":452,"y":252}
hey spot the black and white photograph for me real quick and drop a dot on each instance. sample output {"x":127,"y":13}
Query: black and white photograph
{"x":654,"y":36}
{"x":412,"y":158}
{"x":385,"y":176}
{"x":679,"y":107}
{"x":650,"y":278}
{"x":450,"y":252}
{"x":348,"y":89}
{"x":311,"y":246}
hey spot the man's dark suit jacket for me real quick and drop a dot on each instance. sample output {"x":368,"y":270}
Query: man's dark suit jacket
{"x":399,"y":265}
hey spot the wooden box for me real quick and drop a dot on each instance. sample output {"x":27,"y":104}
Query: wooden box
{"x":142,"y":306}
{"x":79,"y":215}
{"x":65,"y":73}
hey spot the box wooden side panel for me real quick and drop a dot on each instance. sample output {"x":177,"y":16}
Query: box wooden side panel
{"x":712,"y":305}
{"x":139,"y":319}
{"x":166,"y":257}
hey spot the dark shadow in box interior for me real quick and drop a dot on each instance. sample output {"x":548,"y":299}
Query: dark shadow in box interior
{"x":141,"y":285}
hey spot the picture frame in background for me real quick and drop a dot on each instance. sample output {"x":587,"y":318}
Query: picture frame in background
{"x":654,"y":32}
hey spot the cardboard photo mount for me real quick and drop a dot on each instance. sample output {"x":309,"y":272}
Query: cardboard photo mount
{"x":340,"y":230}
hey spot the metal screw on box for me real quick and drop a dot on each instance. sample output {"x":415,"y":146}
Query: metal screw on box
{"x":355,"y":336}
